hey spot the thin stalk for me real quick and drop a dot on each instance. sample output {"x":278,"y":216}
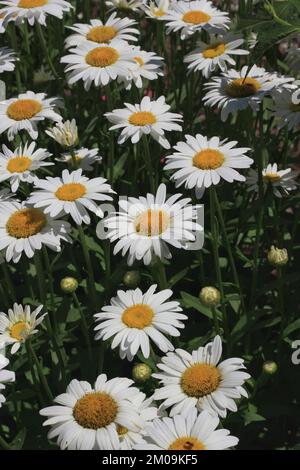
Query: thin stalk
{"x":14,"y":43}
{"x":111,"y":155}
{"x":148,"y":161}
{"x":46,"y":49}
{"x":85,"y":328}
{"x":41,"y":374}
{"x":34,"y":378}
{"x":216,"y":320}
{"x":89,"y":266}
{"x":11,"y":289}
{"x":161,"y":275}
{"x":51,"y":283}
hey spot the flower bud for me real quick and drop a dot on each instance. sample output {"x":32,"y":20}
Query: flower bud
{"x":278,"y":256}
{"x":69,"y":285}
{"x":65,"y":133}
{"x":132,"y":279}
{"x":141,"y":372}
{"x":210,"y":296}
{"x":270,"y":367}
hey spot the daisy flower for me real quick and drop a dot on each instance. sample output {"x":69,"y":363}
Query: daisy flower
{"x":65,"y":133}
{"x":287,"y":106}
{"x":86,"y":418}
{"x":85,"y":158}
{"x":157,"y":9}
{"x":25,"y":112}
{"x":201,"y":162}
{"x":234,"y":90}
{"x":293,"y":59}
{"x":198,"y":380}
{"x":18,"y":325}
{"x":7,"y":59}
{"x":192,"y":432}
{"x":148,"y":117}
{"x":6,"y":376}
{"x":130,"y":5}
{"x":72,"y":194}
{"x":20,"y":165}
{"x":209,"y":57}
{"x":100,"y":63}
{"x":34,"y":10}
{"x":134,"y":318}
{"x":148,"y":65}
{"x":146,"y":225}
{"x":103,"y":33}
{"x":25,"y":229}
{"x":281,"y":181}
{"x":190,"y":17}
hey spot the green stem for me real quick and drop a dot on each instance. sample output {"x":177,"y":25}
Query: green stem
{"x":34,"y":378}
{"x":14,"y":43}
{"x":51,"y":283}
{"x":41,"y":374}
{"x":111,"y":155}
{"x":10,"y":286}
{"x":84,"y":324}
{"x":46,"y":49}
{"x":148,"y":161}
{"x":161,"y":275}
{"x":216,"y":321}
{"x":89,"y":266}
{"x":73,"y":156}
{"x":4,"y":445}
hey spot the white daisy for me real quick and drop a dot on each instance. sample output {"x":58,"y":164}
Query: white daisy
{"x":148,"y":117}
{"x":201,"y":162}
{"x":281,"y":181}
{"x":190,"y":17}
{"x":6,"y":376}
{"x":147,"y":413}
{"x":209,"y":57}
{"x":34,"y":10}
{"x":234,"y":90}
{"x":157,"y":9}
{"x":7,"y":59}
{"x":87,"y":418}
{"x":19,"y":166}
{"x":25,"y":229}
{"x":192,"y":432}
{"x":199,"y":380}
{"x":84,"y":157}
{"x":18,"y":324}
{"x":287,"y":106}
{"x":134,"y":318}
{"x":65,"y":133}
{"x":72,"y":194}
{"x":25,"y":112}
{"x":130,"y":5}
{"x":100,"y":63}
{"x":293,"y":59}
{"x":146,"y":225}
{"x":103,"y":33}
{"x":147,"y":65}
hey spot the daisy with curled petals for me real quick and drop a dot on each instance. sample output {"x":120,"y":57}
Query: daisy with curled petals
{"x":25,"y":112}
{"x":134,"y":318}
{"x":85,"y":158}
{"x":6,"y":376}
{"x":103,"y":33}
{"x":287,"y":105}
{"x":18,"y":325}
{"x":234,"y":90}
{"x":199,"y":380}
{"x":26,"y":229}
{"x":157,"y":9}
{"x":190,"y":17}
{"x":149,"y":117}
{"x":192,"y":432}
{"x":201,"y":162}
{"x":147,"y":413}
{"x":34,"y":10}
{"x":146,"y":225}
{"x":64,"y":133}
{"x":130,"y":5}
{"x":209,"y":57}
{"x":147,"y":65}
{"x":98,"y":64}
{"x":281,"y":181}
{"x":19,"y":166}
{"x":7,"y":59}
{"x":86,"y":418}
{"x":72,"y":194}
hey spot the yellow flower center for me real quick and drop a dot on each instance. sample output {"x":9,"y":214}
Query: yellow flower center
{"x":200,"y":380}
{"x":102,"y":57}
{"x":95,"y":410}
{"x":195,"y":17}
{"x":32,"y":3}
{"x":26,"y":223}
{"x":139,"y":60}
{"x":101,"y":34}
{"x":23,"y":109}
{"x":214,"y":50}
{"x":70,"y":191}
{"x":142,"y":118}
{"x":121,"y":430}
{"x":243,"y":87}
{"x":186,"y":443}
{"x":158,"y":12}
{"x":19,"y":331}
{"x":18,"y":164}
{"x":152,"y":223}
{"x":271,"y":177}
{"x":138,"y":316}
{"x":295,"y":108}
{"x":208,"y":159}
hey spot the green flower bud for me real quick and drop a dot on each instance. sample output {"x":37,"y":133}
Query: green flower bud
{"x":132,"y":279}
{"x":270,"y":367}
{"x":141,"y":372}
{"x":210,"y":296}
{"x":69,"y":284}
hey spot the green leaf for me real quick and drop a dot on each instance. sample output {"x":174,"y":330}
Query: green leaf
{"x":18,"y":441}
{"x":251,"y":415}
{"x":291,"y":328}
{"x":189,"y":301}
